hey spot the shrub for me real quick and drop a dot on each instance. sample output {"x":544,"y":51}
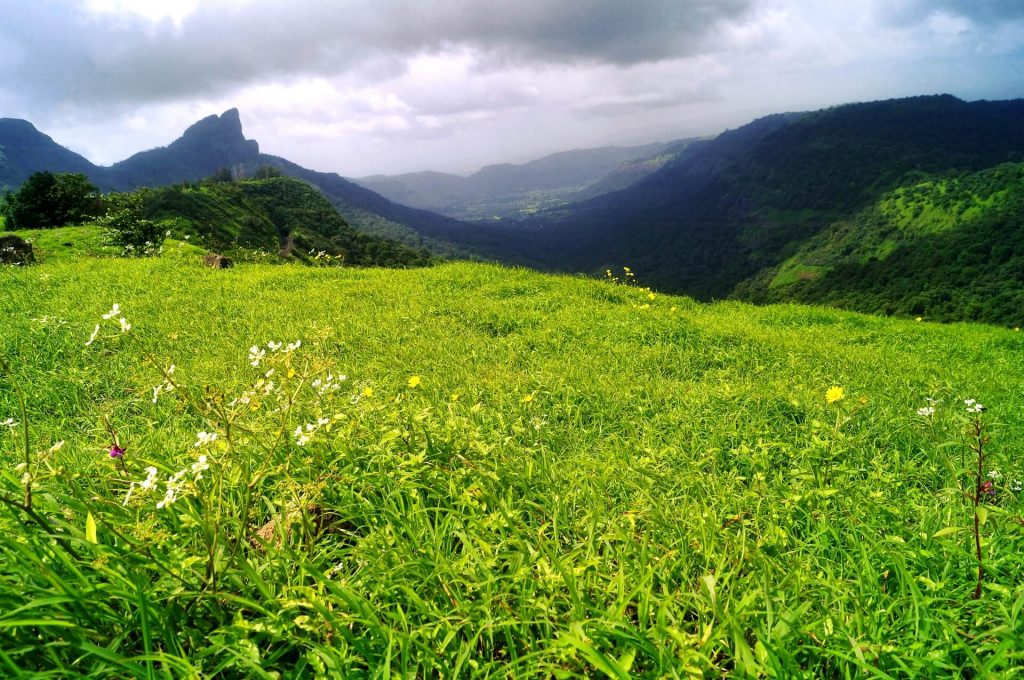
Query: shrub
{"x":128,"y":227}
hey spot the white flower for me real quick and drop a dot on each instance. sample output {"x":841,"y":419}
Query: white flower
{"x":292,"y":346}
{"x":926,"y":411}
{"x":323,"y":421}
{"x":301,"y":438}
{"x":205,"y":439}
{"x":994,"y":474}
{"x":125,"y":326}
{"x":26,"y":479}
{"x":199,"y":467}
{"x":10,"y":422}
{"x":114,"y":311}
{"x":57,"y":447}
{"x":256,"y":355}
{"x":92,"y":338}
{"x":1017,"y":485}
{"x":147,"y":484}
{"x":275,"y":346}
{"x":150,"y":481}
{"x":973,"y":406}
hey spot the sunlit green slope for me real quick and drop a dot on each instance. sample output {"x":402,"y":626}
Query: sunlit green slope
{"x":472,"y":470}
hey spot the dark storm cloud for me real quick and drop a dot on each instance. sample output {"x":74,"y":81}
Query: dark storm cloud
{"x":56,"y":55}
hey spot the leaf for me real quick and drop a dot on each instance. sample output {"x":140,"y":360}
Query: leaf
{"x":947,"y":531}
{"x":982,"y":513}
{"x":90,"y":528}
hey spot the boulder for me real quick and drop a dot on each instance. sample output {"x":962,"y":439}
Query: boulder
{"x":15,"y":250}
{"x":217,"y":261}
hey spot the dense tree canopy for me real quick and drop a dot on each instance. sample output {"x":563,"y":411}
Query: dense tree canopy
{"x":51,"y":200}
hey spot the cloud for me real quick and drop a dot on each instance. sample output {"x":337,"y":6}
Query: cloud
{"x":367,"y":86}
{"x":986,"y":13}
{"x":102,"y":54}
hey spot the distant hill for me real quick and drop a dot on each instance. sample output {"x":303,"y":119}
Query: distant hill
{"x":25,"y":150}
{"x":507,"y":190}
{"x":211,"y":144}
{"x":731,"y":209}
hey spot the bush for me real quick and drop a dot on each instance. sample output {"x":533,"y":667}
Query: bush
{"x":128,"y":227}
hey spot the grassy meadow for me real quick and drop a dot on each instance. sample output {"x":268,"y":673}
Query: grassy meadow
{"x":470,"y":471}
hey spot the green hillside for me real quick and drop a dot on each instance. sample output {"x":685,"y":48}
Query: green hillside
{"x":945,"y":249}
{"x":279,"y":215}
{"x":475,"y":471}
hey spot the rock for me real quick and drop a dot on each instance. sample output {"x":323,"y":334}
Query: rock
{"x":312,"y":521}
{"x":15,"y":250}
{"x":217,"y":261}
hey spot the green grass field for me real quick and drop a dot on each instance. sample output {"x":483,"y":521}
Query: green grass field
{"x":469,"y":470}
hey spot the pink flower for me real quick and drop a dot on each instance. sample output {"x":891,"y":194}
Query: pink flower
{"x":116,"y":451}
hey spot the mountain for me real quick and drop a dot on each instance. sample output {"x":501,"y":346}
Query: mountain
{"x":744,"y":202}
{"x":508,"y":190}
{"x":218,"y":142}
{"x":213,"y":143}
{"x":25,"y":150}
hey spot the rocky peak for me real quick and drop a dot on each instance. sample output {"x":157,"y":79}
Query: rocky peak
{"x":221,"y":133}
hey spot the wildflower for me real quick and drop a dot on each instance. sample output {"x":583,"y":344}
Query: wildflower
{"x":92,"y":338}
{"x":651,"y":296}
{"x":367,"y":391}
{"x":1017,"y":485}
{"x":834,"y":394}
{"x":199,"y":467}
{"x":57,"y":447}
{"x":205,"y":439}
{"x":988,"y":489}
{"x":125,"y":326}
{"x":456,"y":396}
{"x":116,"y":451}
{"x":171,"y":495}
{"x":26,"y":479}
{"x":150,"y":481}
{"x":527,"y":398}
{"x":256,"y":355}
{"x":114,"y":311}
{"x":292,"y":346}
{"x":10,"y":422}
{"x":926,"y":411}
{"x":415,"y":381}
{"x":301,"y":437}
{"x":973,"y":406}
{"x":918,"y":318}
{"x":994,"y":474}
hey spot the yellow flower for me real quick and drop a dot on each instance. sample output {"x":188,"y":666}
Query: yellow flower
{"x":527,"y":398}
{"x":834,"y":394}
{"x":456,"y":396}
{"x":918,"y":318}
{"x":415,"y":381}
{"x":367,"y":391}
{"x":651,"y":296}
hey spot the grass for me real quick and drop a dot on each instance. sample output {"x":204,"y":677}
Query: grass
{"x":583,"y":481}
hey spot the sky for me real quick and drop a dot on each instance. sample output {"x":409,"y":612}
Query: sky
{"x":361,"y":87}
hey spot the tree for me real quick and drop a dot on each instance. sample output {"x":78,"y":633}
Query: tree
{"x":51,"y":200}
{"x":267,"y":172}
